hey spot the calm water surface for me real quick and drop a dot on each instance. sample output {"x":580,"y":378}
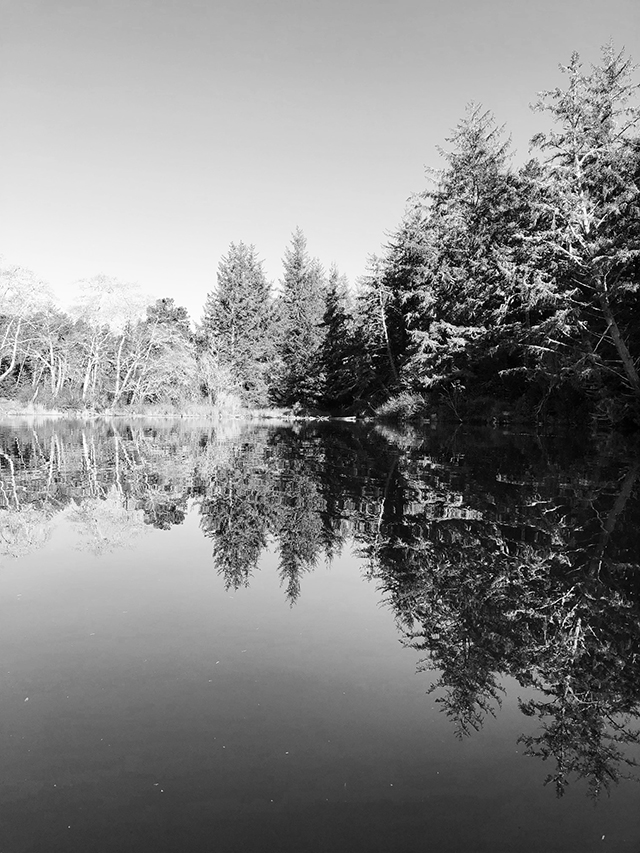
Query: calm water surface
{"x":319,"y":638}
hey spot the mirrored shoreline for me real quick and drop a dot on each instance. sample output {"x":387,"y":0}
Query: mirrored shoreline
{"x":499,"y":555}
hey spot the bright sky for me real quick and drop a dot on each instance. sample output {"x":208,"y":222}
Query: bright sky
{"x":140,"y":137}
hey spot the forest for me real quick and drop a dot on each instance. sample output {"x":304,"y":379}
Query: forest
{"x":503,"y":293}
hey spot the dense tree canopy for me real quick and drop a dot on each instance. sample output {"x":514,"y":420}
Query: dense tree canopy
{"x":523,"y":285}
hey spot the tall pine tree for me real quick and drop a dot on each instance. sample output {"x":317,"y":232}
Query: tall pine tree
{"x":237,"y":325}
{"x":300,"y":311}
{"x":339,"y":356}
{"x":465,"y":269}
{"x":588,"y":205}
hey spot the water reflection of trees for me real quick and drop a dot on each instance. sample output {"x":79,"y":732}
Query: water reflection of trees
{"x":499,"y":555}
{"x":299,"y":490}
{"x":522,"y":561}
{"x":110,"y":481}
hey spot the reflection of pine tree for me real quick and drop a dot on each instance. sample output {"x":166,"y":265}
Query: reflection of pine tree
{"x":352,"y":469}
{"x":513,"y":569}
{"x":329,"y":479}
{"x":299,"y":527}
{"x":444,"y":606}
{"x":584,"y":732}
{"x":235,"y":514}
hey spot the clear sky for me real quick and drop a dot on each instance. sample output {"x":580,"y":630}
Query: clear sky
{"x":140,"y":137}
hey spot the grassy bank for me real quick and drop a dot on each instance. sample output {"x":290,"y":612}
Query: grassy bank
{"x":14,"y":408}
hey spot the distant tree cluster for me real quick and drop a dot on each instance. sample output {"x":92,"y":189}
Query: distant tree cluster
{"x":113,"y":350}
{"x":109,"y":350}
{"x":499,"y":286}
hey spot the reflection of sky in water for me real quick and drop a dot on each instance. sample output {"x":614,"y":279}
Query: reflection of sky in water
{"x":166,"y":713}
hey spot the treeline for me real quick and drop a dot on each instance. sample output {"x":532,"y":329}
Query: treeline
{"x":110,"y":350}
{"x":501,"y":289}
{"x":253,"y":347}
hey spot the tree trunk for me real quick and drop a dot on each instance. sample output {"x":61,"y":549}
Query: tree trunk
{"x":618,"y":508}
{"x":622,"y":349}
{"x":12,"y":364}
{"x":383,"y":320}
{"x":116,"y":395}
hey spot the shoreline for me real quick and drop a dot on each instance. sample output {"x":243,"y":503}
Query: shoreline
{"x":247,"y":416}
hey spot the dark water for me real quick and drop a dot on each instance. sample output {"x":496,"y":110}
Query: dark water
{"x":327,"y":638}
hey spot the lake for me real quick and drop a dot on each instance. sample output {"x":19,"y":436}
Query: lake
{"x":317,"y":637}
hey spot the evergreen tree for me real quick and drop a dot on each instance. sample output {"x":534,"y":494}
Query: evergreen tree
{"x":463,"y":273}
{"x":301,"y":306}
{"x":380,"y":328}
{"x":166,"y":311}
{"x":588,"y":204}
{"x":339,"y":352}
{"x":236,"y":325}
